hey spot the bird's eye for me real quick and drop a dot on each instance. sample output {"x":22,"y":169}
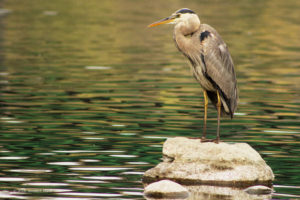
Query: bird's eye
{"x":178,"y":15}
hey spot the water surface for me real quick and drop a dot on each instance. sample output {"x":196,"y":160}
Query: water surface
{"x":89,"y":94}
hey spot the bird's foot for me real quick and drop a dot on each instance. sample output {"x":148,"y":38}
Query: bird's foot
{"x":203,"y":139}
{"x":217,"y":141}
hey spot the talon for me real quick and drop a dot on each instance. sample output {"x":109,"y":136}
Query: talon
{"x":205,"y":140}
{"x":217,"y":141}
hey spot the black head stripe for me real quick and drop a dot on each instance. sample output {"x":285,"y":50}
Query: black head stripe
{"x":185,"y":10}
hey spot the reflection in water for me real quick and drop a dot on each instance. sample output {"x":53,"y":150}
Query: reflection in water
{"x":214,"y":192}
{"x":88,"y":94}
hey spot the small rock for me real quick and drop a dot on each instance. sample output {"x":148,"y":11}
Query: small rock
{"x":166,"y":189}
{"x":258,"y":190}
{"x":188,"y":161}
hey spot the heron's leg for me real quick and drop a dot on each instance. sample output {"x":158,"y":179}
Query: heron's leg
{"x":219,"y":115}
{"x":205,"y":114}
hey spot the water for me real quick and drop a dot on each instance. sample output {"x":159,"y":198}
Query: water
{"x":89,"y":94}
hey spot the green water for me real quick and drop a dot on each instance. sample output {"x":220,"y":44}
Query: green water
{"x":89,"y":94}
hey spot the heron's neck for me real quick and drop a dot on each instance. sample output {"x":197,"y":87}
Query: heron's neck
{"x":183,"y":32}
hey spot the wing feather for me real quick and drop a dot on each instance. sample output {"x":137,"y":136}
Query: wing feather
{"x":219,"y":66}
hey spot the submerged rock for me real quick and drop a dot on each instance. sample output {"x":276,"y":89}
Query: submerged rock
{"x":258,"y":190}
{"x":189,"y":161}
{"x":166,"y":189}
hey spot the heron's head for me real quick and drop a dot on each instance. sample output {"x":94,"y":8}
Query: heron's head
{"x":181,"y":15}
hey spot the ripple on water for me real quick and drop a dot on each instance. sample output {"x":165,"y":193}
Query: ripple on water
{"x":99,"y":168}
{"x":123,"y":156}
{"x":137,"y":163}
{"x":91,"y":194}
{"x":45,"y":184}
{"x":64,"y":163}
{"x":85,"y":181}
{"x":133,"y":173}
{"x":75,"y":151}
{"x":103,"y":177}
{"x":90,"y":160}
{"x":48,"y":190}
{"x":93,"y":138}
{"x":32,"y":171}
{"x":11,"y":195}
{"x":14,"y":179}
{"x":97,"y":67}
{"x":13,"y":157}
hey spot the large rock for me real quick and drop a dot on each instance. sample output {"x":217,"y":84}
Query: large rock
{"x":189,"y":161}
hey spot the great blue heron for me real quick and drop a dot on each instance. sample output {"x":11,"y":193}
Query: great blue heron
{"x":211,"y":63}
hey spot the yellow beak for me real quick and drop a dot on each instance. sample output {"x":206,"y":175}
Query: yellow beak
{"x":162,"y":21}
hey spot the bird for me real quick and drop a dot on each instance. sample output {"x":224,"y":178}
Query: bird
{"x":210,"y":62}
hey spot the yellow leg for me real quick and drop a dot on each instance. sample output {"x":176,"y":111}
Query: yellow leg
{"x":219,"y":115}
{"x":205,"y":114}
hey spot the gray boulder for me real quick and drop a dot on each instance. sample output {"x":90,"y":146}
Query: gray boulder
{"x":189,"y":161}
